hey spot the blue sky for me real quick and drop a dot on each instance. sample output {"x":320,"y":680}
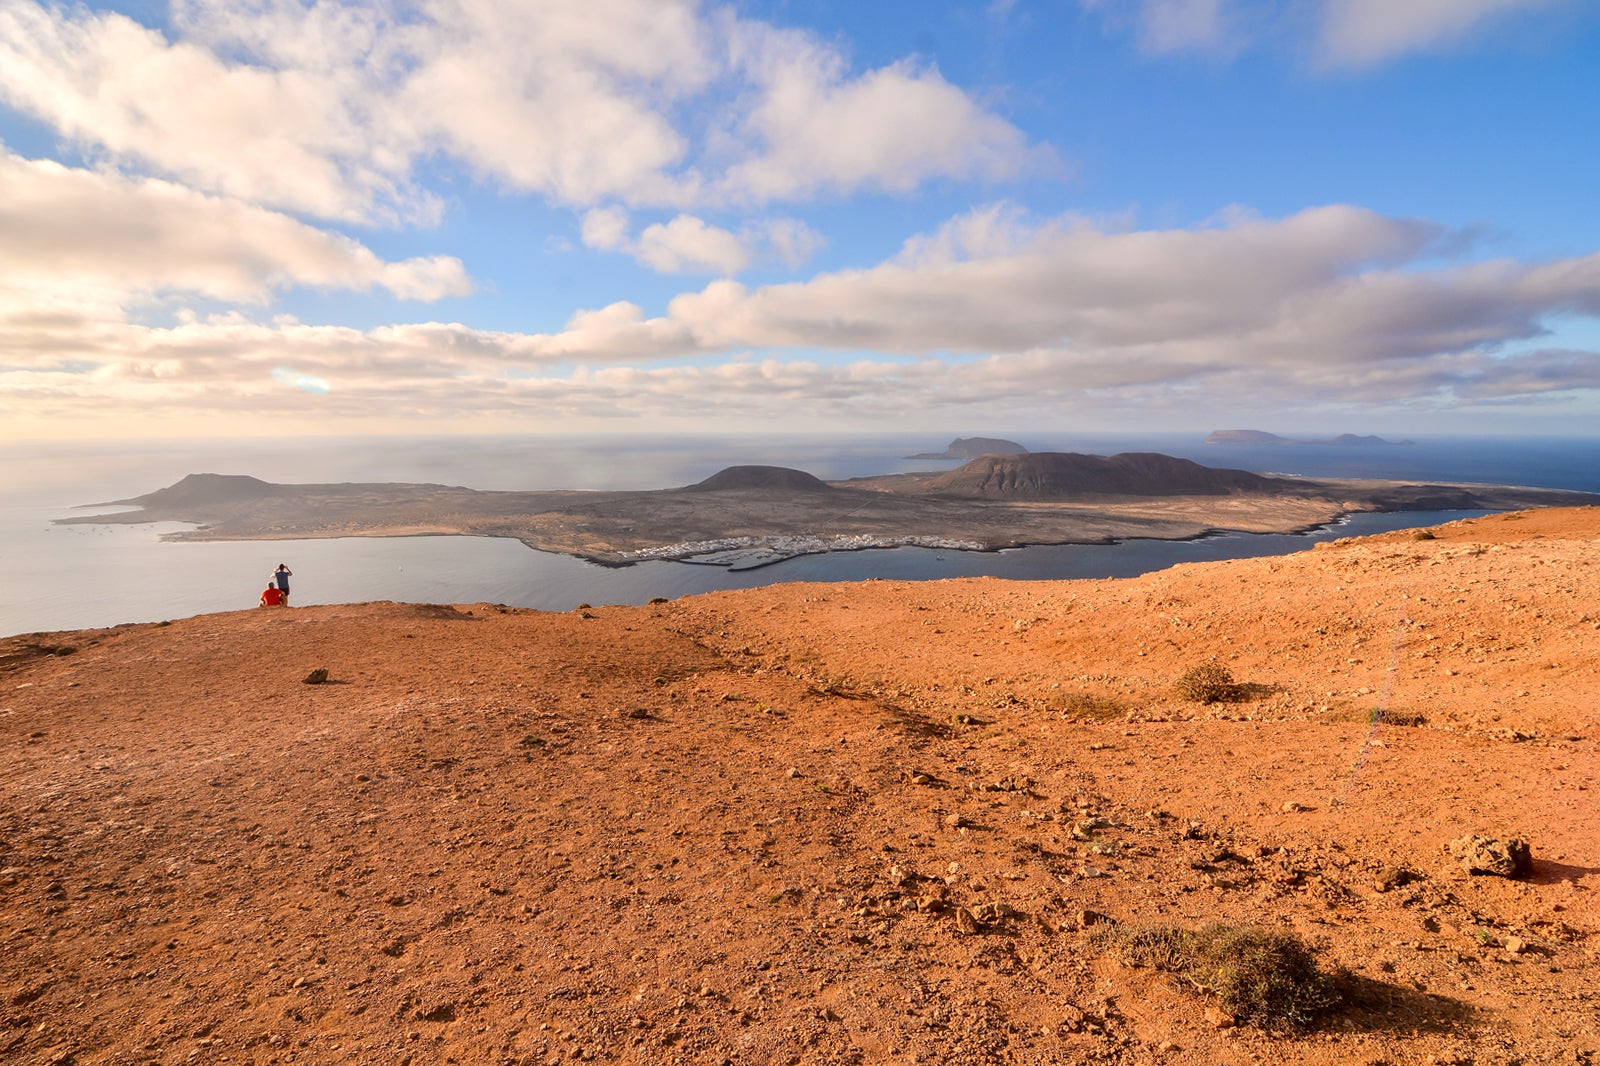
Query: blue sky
{"x":655,"y":216}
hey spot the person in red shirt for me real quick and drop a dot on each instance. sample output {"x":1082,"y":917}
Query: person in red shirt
{"x":272,"y":597}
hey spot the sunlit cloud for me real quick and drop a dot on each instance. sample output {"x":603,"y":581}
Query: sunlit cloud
{"x":89,"y":236}
{"x":689,"y":245}
{"x":304,"y":382}
{"x":328,"y":108}
{"x":994,"y":314}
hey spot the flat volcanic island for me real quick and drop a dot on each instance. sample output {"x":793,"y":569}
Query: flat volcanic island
{"x":747,"y":516}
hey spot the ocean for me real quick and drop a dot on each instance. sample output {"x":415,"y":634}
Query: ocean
{"x":70,"y":577}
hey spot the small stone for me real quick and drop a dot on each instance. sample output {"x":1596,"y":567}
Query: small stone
{"x":967,"y":923}
{"x":1515,"y":945}
{"x":317,"y":676}
{"x":1218,"y":1018}
{"x":1294,"y":808}
{"x":1391,"y":877}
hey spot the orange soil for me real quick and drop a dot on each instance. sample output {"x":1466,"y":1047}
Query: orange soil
{"x":815,"y":823}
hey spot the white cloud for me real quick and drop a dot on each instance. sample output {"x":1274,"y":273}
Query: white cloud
{"x":1358,"y":33}
{"x":325,"y":107}
{"x":995,"y":315}
{"x":786,"y":240}
{"x":823,"y":131}
{"x":291,"y":136}
{"x":91,"y":237}
{"x":689,"y":245}
{"x":1182,"y":25}
{"x":1165,"y":27}
{"x":605,"y":228}
{"x":1341,"y":33}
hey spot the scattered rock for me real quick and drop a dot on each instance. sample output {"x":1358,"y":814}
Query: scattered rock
{"x":1486,"y":855}
{"x":1392,"y":877}
{"x":317,"y":676}
{"x":989,"y":913}
{"x":1218,"y":1018}
{"x":967,"y":923}
{"x":444,"y":1012}
{"x":1087,"y":828}
{"x":1293,"y":807}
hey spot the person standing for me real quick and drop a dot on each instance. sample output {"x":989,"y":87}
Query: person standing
{"x":281,"y":576}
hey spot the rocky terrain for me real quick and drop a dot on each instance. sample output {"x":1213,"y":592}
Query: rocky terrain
{"x":870,"y":823}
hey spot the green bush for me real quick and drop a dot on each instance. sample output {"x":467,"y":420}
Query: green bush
{"x":1264,"y":977}
{"x":1207,"y":683}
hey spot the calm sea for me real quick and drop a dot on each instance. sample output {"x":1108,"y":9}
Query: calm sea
{"x":69,"y":577}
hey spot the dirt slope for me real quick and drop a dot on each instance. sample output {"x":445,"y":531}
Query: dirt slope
{"x":840,"y":823}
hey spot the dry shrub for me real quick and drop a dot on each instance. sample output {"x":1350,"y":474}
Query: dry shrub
{"x":1264,"y":977}
{"x":1088,"y":705}
{"x":1207,"y":683}
{"x":1397,"y":716}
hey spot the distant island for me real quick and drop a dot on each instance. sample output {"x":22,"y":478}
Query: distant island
{"x":748,"y":516}
{"x":1256,"y":436}
{"x":974,"y":448}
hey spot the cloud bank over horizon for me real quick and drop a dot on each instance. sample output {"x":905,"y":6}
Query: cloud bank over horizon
{"x":878,"y":233}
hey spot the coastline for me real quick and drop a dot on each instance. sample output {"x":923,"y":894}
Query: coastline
{"x":750,"y":526}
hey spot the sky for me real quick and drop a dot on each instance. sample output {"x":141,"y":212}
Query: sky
{"x":279,"y":217}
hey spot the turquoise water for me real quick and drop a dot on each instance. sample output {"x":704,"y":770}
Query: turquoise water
{"x":68,"y":577}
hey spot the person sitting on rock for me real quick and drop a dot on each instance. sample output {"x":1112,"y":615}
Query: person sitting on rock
{"x":272,"y":597}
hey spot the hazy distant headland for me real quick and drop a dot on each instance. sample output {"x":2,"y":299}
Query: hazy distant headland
{"x":747,"y":516}
{"x":974,"y":448}
{"x":1256,"y":436}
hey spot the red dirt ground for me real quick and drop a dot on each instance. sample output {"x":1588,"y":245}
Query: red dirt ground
{"x":816,"y":823}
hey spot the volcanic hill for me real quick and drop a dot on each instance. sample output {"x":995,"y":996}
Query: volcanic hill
{"x":1058,"y":475}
